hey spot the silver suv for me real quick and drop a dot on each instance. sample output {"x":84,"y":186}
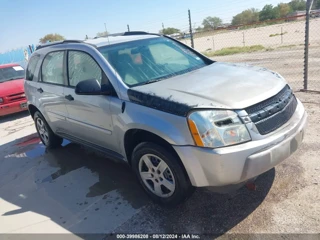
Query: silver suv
{"x":179,"y":119}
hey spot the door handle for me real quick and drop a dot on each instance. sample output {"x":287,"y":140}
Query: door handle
{"x":69,"y":97}
{"x":40,"y":90}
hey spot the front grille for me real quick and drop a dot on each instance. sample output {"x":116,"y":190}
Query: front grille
{"x":272,"y":113}
{"x":16,"y":97}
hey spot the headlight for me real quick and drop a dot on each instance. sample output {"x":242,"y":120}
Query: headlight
{"x":1,"y":100}
{"x":217,"y":128}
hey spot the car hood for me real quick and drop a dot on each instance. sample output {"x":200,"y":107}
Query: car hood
{"x":11,"y":87}
{"x":219,"y":85}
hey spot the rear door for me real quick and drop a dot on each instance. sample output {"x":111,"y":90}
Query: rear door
{"x":89,"y":116}
{"x":50,"y":90}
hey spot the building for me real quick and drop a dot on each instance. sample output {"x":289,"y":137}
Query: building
{"x":297,"y":15}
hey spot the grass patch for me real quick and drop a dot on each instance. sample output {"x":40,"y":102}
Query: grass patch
{"x":277,"y":34}
{"x":234,"y":50}
{"x":269,"y":49}
{"x":287,"y":46}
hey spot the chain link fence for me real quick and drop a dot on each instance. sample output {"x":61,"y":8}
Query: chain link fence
{"x":313,"y":81}
{"x":278,"y":45}
{"x":19,"y":56}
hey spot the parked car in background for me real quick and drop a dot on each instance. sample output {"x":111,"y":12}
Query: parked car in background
{"x":12,"y":96}
{"x":178,"y":118}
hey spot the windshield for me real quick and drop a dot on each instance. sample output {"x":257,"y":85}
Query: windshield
{"x":148,"y":60}
{"x":11,"y":73}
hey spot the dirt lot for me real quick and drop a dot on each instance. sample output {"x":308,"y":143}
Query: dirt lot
{"x":286,"y":61}
{"x":75,"y":190}
{"x":293,"y":34}
{"x":283,"y":54}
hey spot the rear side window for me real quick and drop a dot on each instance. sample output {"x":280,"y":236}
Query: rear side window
{"x":52,"y":68}
{"x":81,"y":66}
{"x":33,"y":62}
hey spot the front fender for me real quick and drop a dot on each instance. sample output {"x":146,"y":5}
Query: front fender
{"x":173,"y":129}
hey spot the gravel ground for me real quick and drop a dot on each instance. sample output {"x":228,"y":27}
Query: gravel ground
{"x":76,"y":190}
{"x":289,"y":62}
{"x":285,"y":56}
{"x":294,"y":34}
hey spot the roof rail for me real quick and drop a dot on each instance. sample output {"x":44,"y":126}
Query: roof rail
{"x":135,"y":33}
{"x":132,"y":33}
{"x":57,"y":43}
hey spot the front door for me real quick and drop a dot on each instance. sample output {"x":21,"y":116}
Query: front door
{"x":89,"y":117}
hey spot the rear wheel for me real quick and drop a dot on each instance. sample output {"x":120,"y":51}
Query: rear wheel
{"x":48,"y":138}
{"x":161,"y":174}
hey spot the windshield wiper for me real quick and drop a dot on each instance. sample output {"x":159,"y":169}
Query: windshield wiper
{"x":151,"y":81}
{"x":158,"y":79}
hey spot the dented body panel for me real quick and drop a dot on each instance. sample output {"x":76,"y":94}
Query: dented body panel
{"x":219,"y":85}
{"x":235,"y":164}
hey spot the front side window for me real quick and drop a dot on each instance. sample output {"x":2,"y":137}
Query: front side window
{"x":143,"y":61}
{"x":32,"y":67}
{"x":11,"y":73}
{"x":81,"y":66}
{"x":52,"y":68}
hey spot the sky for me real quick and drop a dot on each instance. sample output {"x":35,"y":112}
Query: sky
{"x":24,"y":22}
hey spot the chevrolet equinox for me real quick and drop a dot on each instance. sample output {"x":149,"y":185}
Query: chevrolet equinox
{"x":178,"y":118}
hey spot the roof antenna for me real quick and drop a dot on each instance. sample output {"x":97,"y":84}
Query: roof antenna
{"x":105,"y":26}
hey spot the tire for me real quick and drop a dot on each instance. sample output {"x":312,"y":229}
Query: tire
{"x":172,"y":174}
{"x":48,"y":138}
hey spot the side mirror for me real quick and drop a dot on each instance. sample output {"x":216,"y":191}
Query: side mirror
{"x":88,"y":87}
{"x":93,"y":87}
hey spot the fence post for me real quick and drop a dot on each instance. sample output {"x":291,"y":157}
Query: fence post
{"x":306,"y":45}
{"x":191,"y":34}
{"x":213,"y":48}
{"x":243,"y":40}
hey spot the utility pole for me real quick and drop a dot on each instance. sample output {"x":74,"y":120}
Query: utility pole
{"x":190,"y":30}
{"x":128,"y":27}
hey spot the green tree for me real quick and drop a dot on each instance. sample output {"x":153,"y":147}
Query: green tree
{"x":283,"y":9}
{"x":316,"y":4}
{"x":245,"y":17}
{"x":268,"y":12}
{"x":52,"y":37}
{"x":169,"y":30}
{"x":199,"y":29}
{"x":298,"y":5}
{"x":211,"y":22}
{"x":102,"y":34}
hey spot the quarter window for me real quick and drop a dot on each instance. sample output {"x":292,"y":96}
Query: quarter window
{"x":32,"y":67}
{"x":81,"y":66}
{"x":52,"y":68}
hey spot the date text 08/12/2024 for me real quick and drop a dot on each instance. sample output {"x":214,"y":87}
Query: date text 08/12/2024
{"x":158,"y":236}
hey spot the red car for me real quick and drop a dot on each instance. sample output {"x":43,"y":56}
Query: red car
{"x":12,"y":97}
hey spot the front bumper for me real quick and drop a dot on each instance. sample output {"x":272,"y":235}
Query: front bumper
{"x":235,"y":164}
{"x":13,"y":107}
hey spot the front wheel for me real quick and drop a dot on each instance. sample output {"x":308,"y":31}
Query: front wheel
{"x":48,"y":138}
{"x":161,"y":174}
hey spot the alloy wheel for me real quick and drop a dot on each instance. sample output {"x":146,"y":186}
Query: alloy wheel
{"x":156,"y":175}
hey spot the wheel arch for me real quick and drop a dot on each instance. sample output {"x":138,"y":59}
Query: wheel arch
{"x":32,"y":110}
{"x":135,"y":136}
